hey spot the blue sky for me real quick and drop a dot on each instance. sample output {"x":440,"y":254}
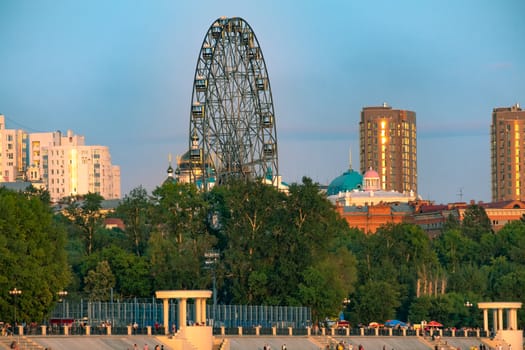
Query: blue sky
{"x":121,"y":73}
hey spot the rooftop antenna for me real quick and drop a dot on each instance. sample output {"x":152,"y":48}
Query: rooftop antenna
{"x":460,"y":194}
{"x":350,"y":158}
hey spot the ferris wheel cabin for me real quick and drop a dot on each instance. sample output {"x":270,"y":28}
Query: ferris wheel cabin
{"x":207,"y":52}
{"x":267,"y":120}
{"x":201,"y":84}
{"x":197,"y":110}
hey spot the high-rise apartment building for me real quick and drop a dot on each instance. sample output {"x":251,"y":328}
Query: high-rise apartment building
{"x":388,"y":144}
{"x":12,"y":152}
{"x":508,"y":153}
{"x":71,"y":170}
{"x":63,"y":164}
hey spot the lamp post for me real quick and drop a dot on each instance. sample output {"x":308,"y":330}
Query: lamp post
{"x":211,"y":258}
{"x":15,"y":293}
{"x":63,"y":294}
{"x":469,"y":305}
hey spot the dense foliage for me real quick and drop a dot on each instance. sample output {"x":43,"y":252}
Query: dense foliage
{"x":32,"y":256}
{"x":274,"y":249}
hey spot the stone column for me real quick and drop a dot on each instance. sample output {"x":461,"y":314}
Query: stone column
{"x":495,"y":320}
{"x":203,"y":310}
{"x":500,"y":319}
{"x":44,"y":329}
{"x":514,"y":318}
{"x":88,"y":330}
{"x":198,"y":311}
{"x":182,"y":313}
{"x":166,"y":316}
{"x":486,"y":320}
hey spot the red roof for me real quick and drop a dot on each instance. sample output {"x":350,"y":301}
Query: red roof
{"x":113,"y":223}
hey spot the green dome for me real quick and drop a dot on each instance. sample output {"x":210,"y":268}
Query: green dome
{"x":350,"y":180}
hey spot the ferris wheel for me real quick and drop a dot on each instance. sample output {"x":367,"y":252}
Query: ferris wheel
{"x":232,"y":124}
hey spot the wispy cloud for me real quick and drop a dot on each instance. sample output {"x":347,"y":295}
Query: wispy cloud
{"x":500,"y":65}
{"x":472,"y":128}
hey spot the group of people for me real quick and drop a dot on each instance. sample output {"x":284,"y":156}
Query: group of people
{"x":5,"y":329}
{"x":343,"y":346}
{"x":268,"y":347}
{"x":146,"y":347}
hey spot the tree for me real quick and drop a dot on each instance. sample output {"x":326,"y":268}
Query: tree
{"x":268,"y":238}
{"x":510,"y":242}
{"x":327,"y":283}
{"x":376,"y":301}
{"x":468,"y":277}
{"x":420,"y":309}
{"x":452,"y":223}
{"x":322,"y":291}
{"x":400,"y":255}
{"x":99,"y":282}
{"x":254,"y":242}
{"x":32,"y":255}
{"x":132,"y":273}
{"x":87,"y":216}
{"x":475,"y":222}
{"x":179,"y":238}
{"x":448,"y":309}
{"x":135,"y":210}
{"x":455,"y":249}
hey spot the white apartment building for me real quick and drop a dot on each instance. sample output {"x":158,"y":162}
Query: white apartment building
{"x":38,"y":142}
{"x":63,"y":163}
{"x":71,"y":170}
{"x":12,"y":152}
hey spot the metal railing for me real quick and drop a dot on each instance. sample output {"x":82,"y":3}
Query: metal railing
{"x":143,"y":313}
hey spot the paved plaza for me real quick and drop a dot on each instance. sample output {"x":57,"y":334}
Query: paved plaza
{"x":116,"y":342}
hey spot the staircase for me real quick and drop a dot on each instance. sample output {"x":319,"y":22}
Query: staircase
{"x":493,"y":343}
{"x":24,"y":343}
{"x":437,"y":343}
{"x":323,"y":341}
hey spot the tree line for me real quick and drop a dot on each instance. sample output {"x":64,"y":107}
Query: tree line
{"x":274,"y":249}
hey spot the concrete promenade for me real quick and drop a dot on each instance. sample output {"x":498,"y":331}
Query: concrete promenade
{"x":125,"y":342}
